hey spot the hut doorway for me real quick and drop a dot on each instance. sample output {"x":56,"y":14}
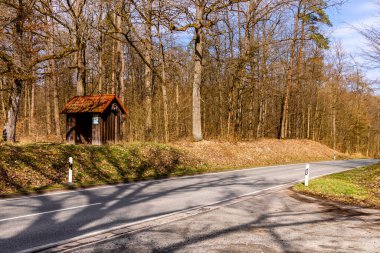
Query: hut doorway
{"x":84,"y":129}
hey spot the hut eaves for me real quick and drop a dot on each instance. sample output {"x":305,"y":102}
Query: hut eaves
{"x":91,"y":104}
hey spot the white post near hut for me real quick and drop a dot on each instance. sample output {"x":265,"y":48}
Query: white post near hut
{"x":70,"y":171}
{"x":307,"y":171}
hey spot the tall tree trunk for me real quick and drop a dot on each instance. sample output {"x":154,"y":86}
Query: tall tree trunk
{"x":163,"y":87}
{"x":231,"y":90}
{"x":55,"y":81}
{"x":289,"y":79}
{"x":165,"y":103}
{"x":77,"y":40}
{"x":100,"y":50}
{"x":245,"y":45}
{"x":198,"y":68}
{"x":148,"y":73}
{"x":120,"y":65}
{"x":300,"y":104}
{"x":262,"y":90}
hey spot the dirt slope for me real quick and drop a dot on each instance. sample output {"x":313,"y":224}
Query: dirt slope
{"x":261,"y":152}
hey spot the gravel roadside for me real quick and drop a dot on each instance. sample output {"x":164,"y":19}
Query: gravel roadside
{"x":280,"y":221}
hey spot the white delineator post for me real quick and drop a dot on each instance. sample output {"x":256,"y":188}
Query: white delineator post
{"x":307,"y":175}
{"x":70,"y":170}
{"x":334,"y":156}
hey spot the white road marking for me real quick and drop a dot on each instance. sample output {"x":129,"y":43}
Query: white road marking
{"x":54,"y":211}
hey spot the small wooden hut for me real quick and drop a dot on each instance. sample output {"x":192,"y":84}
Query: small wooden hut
{"x":94,"y":119}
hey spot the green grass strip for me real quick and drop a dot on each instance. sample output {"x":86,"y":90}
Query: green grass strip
{"x":355,"y":187}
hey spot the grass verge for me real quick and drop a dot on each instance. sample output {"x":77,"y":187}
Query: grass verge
{"x":360,"y":187}
{"x":44,"y":167}
{"x":41,"y":167}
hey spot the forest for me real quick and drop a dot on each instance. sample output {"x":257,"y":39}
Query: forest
{"x":229,"y":70}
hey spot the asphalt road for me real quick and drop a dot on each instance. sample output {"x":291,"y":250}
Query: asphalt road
{"x":30,"y":222}
{"x":273,"y":222}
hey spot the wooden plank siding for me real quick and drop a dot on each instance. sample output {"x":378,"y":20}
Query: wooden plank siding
{"x":70,"y":128}
{"x":96,"y":133}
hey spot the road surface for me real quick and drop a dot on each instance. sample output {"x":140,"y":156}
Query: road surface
{"x":31,"y":222}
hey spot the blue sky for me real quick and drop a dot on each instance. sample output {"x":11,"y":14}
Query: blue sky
{"x":355,"y":13}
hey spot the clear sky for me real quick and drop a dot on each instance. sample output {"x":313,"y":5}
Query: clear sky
{"x":355,"y":13}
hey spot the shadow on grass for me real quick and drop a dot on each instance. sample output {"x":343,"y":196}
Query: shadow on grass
{"x":37,"y":168}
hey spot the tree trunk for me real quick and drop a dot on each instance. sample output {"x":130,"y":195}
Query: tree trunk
{"x":32,"y":109}
{"x":289,"y":79}
{"x":100,"y":50}
{"x":77,"y":40}
{"x":26,"y":109}
{"x":245,"y":45}
{"x":148,"y":73}
{"x":239,"y":112}
{"x":198,"y":68}
{"x":2,"y":84}
{"x":334,"y":127}
{"x":163,"y":87}
{"x":111,"y":86}
{"x":47,"y":104}
{"x":56,"y":107}
{"x":300,"y":104}
{"x":120,"y":66}
{"x":9,"y":132}
{"x":231,"y":90}
{"x":55,"y":80}
{"x":100,"y":66}
{"x":177,"y":109}
{"x":220,"y":93}
{"x":308,"y":121}
{"x":79,"y":70}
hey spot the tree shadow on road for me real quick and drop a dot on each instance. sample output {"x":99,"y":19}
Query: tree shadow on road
{"x":194,"y":234}
{"x":128,"y":203}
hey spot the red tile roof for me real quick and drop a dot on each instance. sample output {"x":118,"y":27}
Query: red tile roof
{"x":91,"y":104}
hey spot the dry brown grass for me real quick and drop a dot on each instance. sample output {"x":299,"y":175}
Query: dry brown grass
{"x":257,"y":153}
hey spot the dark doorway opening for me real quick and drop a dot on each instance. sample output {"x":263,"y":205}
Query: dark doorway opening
{"x":84,"y":128}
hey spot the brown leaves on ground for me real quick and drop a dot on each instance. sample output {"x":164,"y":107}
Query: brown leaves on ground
{"x":257,"y":153}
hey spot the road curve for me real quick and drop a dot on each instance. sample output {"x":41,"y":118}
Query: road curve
{"x":30,"y":222}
